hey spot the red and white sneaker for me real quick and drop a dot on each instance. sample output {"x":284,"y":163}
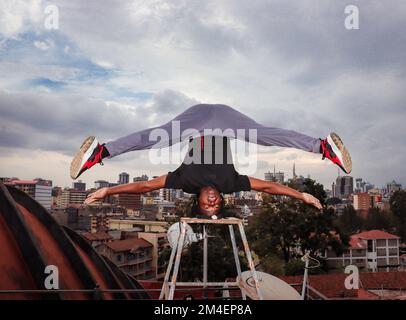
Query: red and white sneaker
{"x":333,"y":148}
{"x":89,"y":154}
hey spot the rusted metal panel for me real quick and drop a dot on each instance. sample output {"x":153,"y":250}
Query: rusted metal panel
{"x":14,"y":272}
{"x":31,"y":240}
{"x":31,"y":255}
{"x":60,"y":241}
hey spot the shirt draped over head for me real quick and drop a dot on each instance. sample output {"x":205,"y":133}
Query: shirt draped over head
{"x":208,"y":162}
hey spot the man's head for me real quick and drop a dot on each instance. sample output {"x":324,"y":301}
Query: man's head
{"x":210,"y":201}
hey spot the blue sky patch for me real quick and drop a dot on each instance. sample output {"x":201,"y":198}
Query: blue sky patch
{"x":45,"y":82}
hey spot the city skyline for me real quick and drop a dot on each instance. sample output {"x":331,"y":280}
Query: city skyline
{"x":281,"y":177}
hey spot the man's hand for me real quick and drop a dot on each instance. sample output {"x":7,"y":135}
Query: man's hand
{"x":97,"y":195}
{"x":309,"y":199}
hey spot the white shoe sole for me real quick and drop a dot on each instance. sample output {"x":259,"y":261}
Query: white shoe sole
{"x":85,"y":151}
{"x":340,"y":150}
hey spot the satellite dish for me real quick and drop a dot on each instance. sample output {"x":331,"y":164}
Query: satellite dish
{"x":271,"y":287}
{"x":174,"y":231}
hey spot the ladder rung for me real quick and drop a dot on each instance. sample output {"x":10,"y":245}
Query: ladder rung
{"x":212,"y":221}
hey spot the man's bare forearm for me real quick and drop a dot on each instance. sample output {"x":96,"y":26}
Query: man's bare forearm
{"x":274,"y":188}
{"x":279,"y":189}
{"x":135,"y":187}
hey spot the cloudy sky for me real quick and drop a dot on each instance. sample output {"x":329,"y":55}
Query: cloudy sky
{"x":114,"y":67}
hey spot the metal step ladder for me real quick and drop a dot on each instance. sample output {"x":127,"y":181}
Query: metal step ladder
{"x":169,"y":287}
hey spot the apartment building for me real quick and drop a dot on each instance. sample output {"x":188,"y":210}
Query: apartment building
{"x":362,"y":201}
{"x":132,"y":255}
{"x":38,"y":189}
{"x":160,"y":243}
{"x":373,"y":250}
{"x":148,"y":226}
{"x":129,"y":201}
{"x":71,"y":196}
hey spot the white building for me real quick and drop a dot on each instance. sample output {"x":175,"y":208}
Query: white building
{"x":393,"y":186}
{"x":40,"y":190}
{"x":43,"y":194}
{"x":374,"y":250}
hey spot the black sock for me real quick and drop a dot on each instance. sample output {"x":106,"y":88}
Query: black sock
{"x":321,"y":149}
{"x":105,"y":152}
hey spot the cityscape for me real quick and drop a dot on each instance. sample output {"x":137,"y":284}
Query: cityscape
{"x":131,"y":229}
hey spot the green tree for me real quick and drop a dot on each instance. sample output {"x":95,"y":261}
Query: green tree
{"x":377,"y":219}
{"x":287,"y":224}
{"x":349,"y":222}
{"x":274,"y":230}
{"x":272,"y":263}
{"x":333,"y":201}
{"x":294,"y":267}
{"x":398,"y":208}
{"x":310,"y":186}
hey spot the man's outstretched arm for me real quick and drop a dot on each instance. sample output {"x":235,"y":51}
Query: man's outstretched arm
{"x":135,"y":187}
{"x":279,"y":189}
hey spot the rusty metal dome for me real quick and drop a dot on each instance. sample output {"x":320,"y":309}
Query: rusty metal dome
{"x":31,"y":240}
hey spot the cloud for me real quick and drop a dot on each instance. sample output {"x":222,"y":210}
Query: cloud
{"x":133,"y":64}
{"x":17,"y":16}
{"x":42,"y":45}
{"x":61,"y":122}
{"x":168,"y":104}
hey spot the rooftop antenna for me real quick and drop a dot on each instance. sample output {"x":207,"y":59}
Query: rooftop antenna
{"x":306,"y":259}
